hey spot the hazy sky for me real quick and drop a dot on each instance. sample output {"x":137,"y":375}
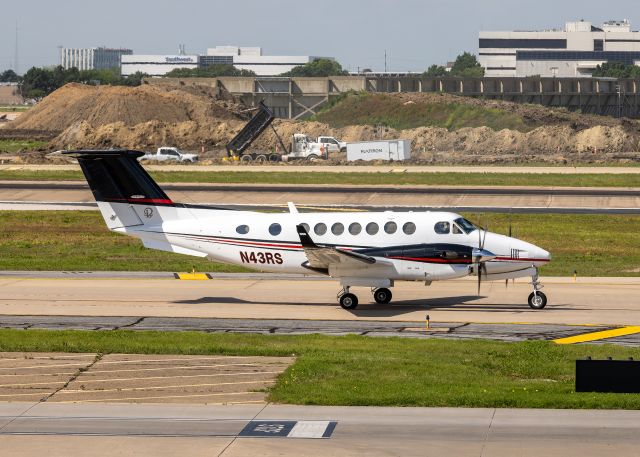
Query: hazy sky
{"x":356,"y":32}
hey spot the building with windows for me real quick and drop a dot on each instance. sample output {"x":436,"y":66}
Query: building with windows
{"x":243,"y":58}
{"x":92,"y":58}
{"x":574,"y":51}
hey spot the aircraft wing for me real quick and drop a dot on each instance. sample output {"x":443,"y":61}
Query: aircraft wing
{"x":321,"y":257}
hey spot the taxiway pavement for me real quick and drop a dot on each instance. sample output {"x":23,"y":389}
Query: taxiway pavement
{"x":266,"y":304}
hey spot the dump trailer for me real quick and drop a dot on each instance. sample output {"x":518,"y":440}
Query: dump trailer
{"x":238,"y":146}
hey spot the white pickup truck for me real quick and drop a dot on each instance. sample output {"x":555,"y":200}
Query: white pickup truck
{"x":333,"y":144}
{"x":166,"y":153}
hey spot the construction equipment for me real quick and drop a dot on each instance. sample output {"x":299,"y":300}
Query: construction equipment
{"x":239,"y":144}
{"x":302,"y":147}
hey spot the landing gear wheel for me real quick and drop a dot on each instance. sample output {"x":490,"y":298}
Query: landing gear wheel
{"x":537,"y":300}
{"x":382,"y":296}
{"x":261,"y":159}
{"x":348,"y":301}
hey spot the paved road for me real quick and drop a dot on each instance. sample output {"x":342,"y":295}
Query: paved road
{"x":34,"y":429}
{"x":498,"y":199}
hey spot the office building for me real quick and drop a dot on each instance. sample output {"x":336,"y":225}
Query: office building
{"x":575,"y":51}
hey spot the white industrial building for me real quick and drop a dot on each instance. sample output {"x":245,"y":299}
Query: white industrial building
{"x":156,"y":65}
{"x":574,"y":51}
{"x":243,"y":58}
{"x":92,"y":58}
{"x":251,"y":58}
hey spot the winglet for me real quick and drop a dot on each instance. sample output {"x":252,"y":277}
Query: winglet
{"x":305,"y":239}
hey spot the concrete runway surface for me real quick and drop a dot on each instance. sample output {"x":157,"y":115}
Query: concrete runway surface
{"x":30,"y":429}
{"x":400,"y":198}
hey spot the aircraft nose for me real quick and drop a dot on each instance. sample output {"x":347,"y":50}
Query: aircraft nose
{"x":542,"y":254}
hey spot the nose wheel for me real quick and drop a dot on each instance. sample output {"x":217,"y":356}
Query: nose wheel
{"x":537,"y":299}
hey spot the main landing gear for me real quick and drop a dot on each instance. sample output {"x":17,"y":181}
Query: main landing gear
{"x":348,"y":300}
{"x":537,"y":299}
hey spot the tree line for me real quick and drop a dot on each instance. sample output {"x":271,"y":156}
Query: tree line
{"x":40,"y":82}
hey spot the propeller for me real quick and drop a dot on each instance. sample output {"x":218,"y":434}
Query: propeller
{"x":480,"y":256}
{"x":506,"y":281}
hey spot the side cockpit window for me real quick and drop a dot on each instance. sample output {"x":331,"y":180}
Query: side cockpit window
{"x":442,"y":228}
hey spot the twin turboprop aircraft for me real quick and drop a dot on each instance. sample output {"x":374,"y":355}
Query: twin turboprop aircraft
{"x":367,"y":249}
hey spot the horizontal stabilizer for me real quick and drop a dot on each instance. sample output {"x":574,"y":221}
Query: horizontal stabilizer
{"x":164,"y":246}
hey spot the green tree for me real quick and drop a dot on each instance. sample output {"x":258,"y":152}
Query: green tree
{"x":9,"y":76}
{"x":318,"y":67}
{"x":617,"y":70}
{"x":435,"y":71}
{"x":466,"y":65}
{"x":40,"y":82}
{"x":210,"y":71}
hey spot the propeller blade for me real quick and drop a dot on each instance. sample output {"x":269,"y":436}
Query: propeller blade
{"x":484,"y":237}
{"x":510,"y":226}
{"x":479,"y":277}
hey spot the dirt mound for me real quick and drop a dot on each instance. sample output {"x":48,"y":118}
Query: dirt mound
{"x":102,"y":105}
{"x":146,"y":117}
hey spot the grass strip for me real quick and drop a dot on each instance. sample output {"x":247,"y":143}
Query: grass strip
{"x":356,"y":370}
{"x":13,"y":146}
{"x":363,"y":178}
{"x":594,"y":245}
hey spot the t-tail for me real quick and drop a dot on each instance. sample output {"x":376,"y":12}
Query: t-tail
{"x":127,"y":196}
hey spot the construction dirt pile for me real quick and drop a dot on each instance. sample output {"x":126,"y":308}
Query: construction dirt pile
{"x":146,"y":117}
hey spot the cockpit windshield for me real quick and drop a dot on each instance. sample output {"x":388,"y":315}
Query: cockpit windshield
{"x":465,"y":225}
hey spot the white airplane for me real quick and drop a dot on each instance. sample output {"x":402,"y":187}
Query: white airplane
{"x":367,"y":249}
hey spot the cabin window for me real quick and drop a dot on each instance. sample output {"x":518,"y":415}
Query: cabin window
{"x":442,"y":228}
{"x":372,"y":228}
{"x":409,"y":228}
{"x":306,"y":227}
{"x":457,"y":230}
{"x":337,"y":228}
{"x":242,"y":229}
{"x":320,"y":229}
{"x":390,"y":227}
{"x":275,"y":229}
{"x":355,"y":228}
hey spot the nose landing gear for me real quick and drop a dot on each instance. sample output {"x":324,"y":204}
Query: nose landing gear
{"x":537,"y":299}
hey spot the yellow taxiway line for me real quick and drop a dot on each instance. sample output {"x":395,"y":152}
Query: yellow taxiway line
{"x":192,"y":276}
{"x":595,"y":336}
